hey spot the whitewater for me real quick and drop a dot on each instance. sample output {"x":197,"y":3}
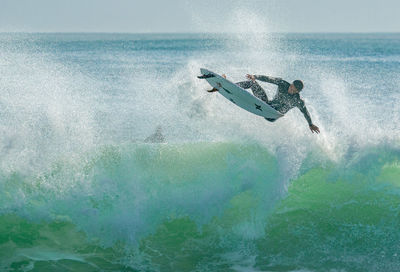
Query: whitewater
{"x":84,"y":188}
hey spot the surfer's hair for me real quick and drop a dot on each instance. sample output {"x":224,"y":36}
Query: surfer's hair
{"x":298,"y":84}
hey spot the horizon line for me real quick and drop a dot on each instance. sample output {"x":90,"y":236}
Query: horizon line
{"x":195,"y":32}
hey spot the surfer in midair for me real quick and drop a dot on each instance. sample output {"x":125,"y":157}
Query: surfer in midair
{"x":286,"y":98}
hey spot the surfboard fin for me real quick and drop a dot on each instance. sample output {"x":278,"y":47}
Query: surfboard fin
{"x":206,"y":76}
{"x":270,"y":119}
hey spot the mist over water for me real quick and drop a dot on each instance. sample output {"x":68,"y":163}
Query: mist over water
{"x":227,"y":191}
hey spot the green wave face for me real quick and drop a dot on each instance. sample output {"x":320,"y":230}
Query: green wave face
{"x":202,"y":207}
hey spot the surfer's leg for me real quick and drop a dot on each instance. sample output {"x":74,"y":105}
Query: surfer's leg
{"x":257,"y":90}
{"x":244,"y":84}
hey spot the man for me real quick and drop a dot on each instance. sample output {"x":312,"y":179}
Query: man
{"x":286,"y":98}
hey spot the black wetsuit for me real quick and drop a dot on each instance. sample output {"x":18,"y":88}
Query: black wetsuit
{"x":283,"y":100}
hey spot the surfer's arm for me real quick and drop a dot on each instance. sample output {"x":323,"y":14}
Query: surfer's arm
{"x":303,"y":109}
{"x":273,"y":80}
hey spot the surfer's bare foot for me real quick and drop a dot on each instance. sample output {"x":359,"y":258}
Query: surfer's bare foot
{"x":251,"y":77}
{"x":212,"y":90}
{"x":224,"y":76}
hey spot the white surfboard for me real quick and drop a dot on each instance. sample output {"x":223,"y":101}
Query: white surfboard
{"x":240,"y":96}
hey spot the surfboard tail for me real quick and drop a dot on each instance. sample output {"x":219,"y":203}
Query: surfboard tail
{"x":206,"y":76}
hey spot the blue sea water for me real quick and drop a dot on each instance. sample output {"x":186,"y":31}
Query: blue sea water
{"x":82,"y":190}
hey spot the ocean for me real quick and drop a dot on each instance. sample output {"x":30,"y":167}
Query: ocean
{"x":85,"y":187}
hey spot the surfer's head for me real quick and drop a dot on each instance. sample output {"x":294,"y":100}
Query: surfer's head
{"x":296,"y":87}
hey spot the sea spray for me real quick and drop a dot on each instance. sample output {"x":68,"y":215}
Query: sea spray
{"x":226,"y":191}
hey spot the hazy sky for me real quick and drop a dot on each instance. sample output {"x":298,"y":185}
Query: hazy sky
{"x":200,"y":16}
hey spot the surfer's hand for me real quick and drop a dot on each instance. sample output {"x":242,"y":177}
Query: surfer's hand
{"x":314,"y":128}
{"x":251,"y":77}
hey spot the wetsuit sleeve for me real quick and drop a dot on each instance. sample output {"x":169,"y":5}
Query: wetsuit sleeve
{"x":302,"y":107}
{"x":273,"y":80}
